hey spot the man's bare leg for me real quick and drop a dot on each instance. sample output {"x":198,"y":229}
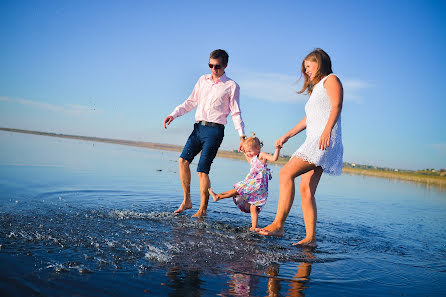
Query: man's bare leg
{"x":185,"y":183}
{"x":205,"y":184}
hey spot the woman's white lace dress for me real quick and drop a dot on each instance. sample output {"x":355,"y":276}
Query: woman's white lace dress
{"x":318,"y":110}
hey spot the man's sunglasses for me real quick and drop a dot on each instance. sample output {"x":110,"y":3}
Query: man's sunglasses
{"x":214,"y":66}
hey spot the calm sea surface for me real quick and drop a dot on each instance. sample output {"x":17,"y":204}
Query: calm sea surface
{"x":81,"y":218}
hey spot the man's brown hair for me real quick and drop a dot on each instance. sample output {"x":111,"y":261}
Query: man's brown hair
{"x":220,"y":54}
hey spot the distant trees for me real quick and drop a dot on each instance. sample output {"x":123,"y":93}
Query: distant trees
{"x":428,"y":171}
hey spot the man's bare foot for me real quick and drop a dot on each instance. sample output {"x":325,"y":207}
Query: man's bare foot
{"x":183,"y":207}
{"x":214,"y":195}
{"x":306,"y":242}
{"x":200,"y":213}
{"x":271,"y":230}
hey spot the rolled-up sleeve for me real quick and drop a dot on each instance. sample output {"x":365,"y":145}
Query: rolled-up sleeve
{"x":236,"y":113}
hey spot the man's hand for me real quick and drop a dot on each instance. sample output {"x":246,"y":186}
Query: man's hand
{"x":242,"y":141}
{"x":167,"y":121}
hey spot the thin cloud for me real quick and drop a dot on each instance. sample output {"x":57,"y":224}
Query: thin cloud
{"x":353,"y":88}
{"x":274,"y":87}
{"x":440,"y":147}
{"x":68,"y":108}
{"x":278,"y":87}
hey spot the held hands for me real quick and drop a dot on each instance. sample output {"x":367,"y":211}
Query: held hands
{"x":281,"y":141}
{"x":167,"y":121}
{"x":324,"y":141}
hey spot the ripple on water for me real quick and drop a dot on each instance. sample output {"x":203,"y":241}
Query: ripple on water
{"x":122,"y":239}
{"x":93,"y":237}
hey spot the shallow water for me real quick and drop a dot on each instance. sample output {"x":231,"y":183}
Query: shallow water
{"x":81,"y":218}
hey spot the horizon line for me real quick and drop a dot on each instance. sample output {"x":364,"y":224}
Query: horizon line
{"x":155,"y":145}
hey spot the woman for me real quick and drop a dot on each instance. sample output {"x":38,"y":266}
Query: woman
{"x":322,"y":150}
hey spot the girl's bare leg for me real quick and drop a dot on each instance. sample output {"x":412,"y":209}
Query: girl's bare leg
{"x":291,"y":170}
{"x":308,"y":186}
{"x":227,"y":194}
{"x":254,"y":217}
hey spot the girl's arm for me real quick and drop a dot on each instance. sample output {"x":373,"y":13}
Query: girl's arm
{"x":263,"y":157}
{"x":297,"y":129}
{"x":336,"y":95}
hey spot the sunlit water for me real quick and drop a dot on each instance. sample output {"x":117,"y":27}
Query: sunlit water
{"x":80,"y":218}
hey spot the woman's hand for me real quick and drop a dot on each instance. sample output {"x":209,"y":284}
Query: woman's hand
{"x":281,"y":141}
{"x":324,"y":141}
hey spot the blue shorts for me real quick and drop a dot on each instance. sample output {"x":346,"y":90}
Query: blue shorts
{"x":206,"y":139}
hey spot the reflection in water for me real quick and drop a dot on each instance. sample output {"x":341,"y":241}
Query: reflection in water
{"x":184,"y":283}
{"x":273,"y":282}
{"x":241,"y":284}
{"x":244,"y":279}
{"x":299,"y":282}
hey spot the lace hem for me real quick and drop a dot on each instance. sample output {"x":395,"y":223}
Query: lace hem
{"x":329,"y":170}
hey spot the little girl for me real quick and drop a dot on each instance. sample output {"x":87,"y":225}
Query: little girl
{"x":250,"y":194}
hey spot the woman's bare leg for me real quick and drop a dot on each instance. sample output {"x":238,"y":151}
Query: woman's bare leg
{"x":291,"y":170}
{"x":308,"y":186}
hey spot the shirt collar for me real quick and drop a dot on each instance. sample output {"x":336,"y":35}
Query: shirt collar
{"x":222,"y":78}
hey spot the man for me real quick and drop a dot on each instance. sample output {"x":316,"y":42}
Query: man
{"x":215,"y":95}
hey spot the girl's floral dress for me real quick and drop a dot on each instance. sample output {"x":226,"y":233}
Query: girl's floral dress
{"x":254,"y":188}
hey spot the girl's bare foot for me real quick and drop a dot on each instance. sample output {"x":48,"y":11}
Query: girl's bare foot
{"x":214,"y":195}
{"x":253,"y":229}
{"x":183,"y":207}
{"x":270,"y":230}
{"x":306,"y":242}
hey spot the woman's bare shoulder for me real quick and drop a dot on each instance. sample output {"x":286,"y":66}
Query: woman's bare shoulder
{"x":332,"y":80}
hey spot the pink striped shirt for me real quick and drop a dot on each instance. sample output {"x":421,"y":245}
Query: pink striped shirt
{"x":214,"y":100}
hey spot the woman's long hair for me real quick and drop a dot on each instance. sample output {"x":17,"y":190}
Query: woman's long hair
{"x":323,"y":69}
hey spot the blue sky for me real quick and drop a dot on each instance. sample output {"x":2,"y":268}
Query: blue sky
{"x":117,"y":68}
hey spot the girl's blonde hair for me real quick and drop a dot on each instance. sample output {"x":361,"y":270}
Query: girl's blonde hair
{"x":323,"y":69}
{"x":253,"y":141}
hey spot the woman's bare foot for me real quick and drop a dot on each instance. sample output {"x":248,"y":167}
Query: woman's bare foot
{"x":306,"y":242}
{"x":253,"y":229}
{"x":270,"y":230}
{"x":214,"y":195}
{"x":200,"y":213}
{"x":183,"y":207}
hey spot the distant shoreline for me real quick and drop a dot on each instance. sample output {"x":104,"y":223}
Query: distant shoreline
{"x":438,"y":181}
